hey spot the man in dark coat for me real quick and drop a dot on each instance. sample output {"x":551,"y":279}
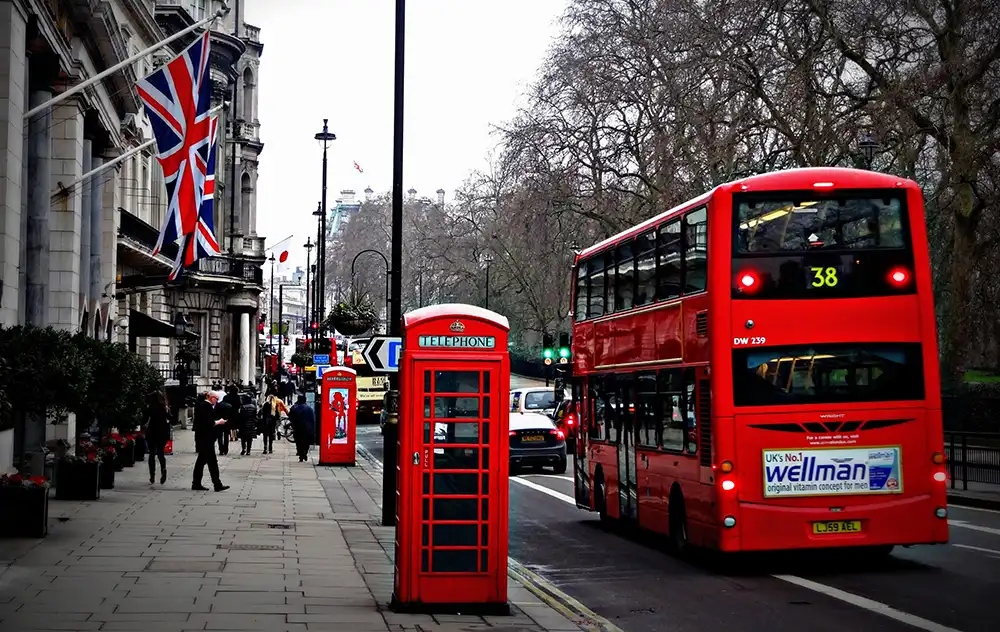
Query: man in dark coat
{"x":232,"y":398}
{"x":205,"y":416}
{"x":303,"y":426}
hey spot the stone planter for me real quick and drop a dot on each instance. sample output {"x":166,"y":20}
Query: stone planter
{"x":107,"y":475}
{"x":127,"y":454}
{"x":78,"y":481}
{"x":24,"y":512}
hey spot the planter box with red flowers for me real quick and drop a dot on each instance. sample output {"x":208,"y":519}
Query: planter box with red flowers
{"x":114,"y":445}
{"x":105,"y":457}
{"x":24,"y":506}
{"x":79,"y":478}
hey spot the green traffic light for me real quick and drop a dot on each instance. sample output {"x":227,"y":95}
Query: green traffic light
{"x":547,"y":353}
{"x":564,"y":353}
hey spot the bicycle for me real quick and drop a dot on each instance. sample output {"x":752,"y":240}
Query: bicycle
{"x":285,"y":430}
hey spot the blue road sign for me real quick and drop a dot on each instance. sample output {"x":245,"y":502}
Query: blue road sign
{"x":321,"y":358}
{"x":382,"y":353}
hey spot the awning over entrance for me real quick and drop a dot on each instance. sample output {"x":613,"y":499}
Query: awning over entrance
{"x":144,"y":326}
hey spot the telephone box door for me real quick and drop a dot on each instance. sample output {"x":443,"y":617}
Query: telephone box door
{"x":455,"y":415}
{"x":338,"y":429}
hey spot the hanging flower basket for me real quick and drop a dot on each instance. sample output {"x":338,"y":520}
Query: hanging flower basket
{"x":354,"y":317}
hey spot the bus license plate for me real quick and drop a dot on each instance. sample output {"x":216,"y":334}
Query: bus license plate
{"x":532,"y":439}
{"x":837,"y":526}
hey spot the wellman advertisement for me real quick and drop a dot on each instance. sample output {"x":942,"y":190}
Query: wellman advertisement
{"x":832,"y":471}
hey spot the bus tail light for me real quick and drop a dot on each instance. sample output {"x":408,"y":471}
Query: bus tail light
{"x":728,"y":485}
{"x":899,"y":277}
{"x":570,"y":420}
{"x":940,"y":476}
{"x":937,"y":458}
{"x":749,"y":282}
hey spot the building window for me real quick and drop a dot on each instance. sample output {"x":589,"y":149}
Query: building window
{"x":197,"y":9}
{"x":247,"y":113}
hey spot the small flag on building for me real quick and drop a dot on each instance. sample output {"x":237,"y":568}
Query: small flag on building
{"x":358,"y":167}
{"x":176,"y":99}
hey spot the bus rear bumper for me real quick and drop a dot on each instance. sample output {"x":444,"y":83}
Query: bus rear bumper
{"x":912,"y":520}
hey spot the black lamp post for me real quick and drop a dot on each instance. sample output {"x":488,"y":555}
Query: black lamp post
{"x":326,"y":136}
{"x":308,"y":320}
{"x":388,"y":275}
{"x":270,"y":307}
{"x":318,"y":285}
{"x":868,"y":147}
{"x":489,"y":260}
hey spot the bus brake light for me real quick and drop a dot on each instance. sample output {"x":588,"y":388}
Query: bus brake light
{"x":749,"y":282}
{"x":899,"y":277}
{"x":728,"y":485}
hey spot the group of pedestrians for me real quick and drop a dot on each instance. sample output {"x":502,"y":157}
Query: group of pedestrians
{"x":223,"y":416}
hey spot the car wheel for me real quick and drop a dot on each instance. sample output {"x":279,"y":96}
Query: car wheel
{"x":560,"y":467}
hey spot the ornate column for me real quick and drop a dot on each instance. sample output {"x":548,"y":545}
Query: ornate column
{"x":39,"y":200}
{"x":86,"y":206}
{"x":96,"y":243}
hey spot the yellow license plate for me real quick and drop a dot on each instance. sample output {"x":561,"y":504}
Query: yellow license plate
{"x":837,"y":526}
{"x":532,"y":439}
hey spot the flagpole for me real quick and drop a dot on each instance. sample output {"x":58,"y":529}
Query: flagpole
{"x":64,"y":189}
{"x":222,"y":12}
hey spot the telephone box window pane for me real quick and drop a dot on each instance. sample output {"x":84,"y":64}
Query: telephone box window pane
{"x":486,"y":458}
{"x":427,"y":408}
{"x":427,"y":431}
{"x":486,"y":409}
{"x":486,"y":484}
{"x":425,"y":565}
{"x":486,"y":432}
{"x":484,"y":535}
{"x":486,"y":382}
{"x":453,"y":561}
{"x":427,"y":381}
{"x":427,"y":483}
{"x":455,"y":485}
{"x":456,"y":458}
{"x":426,"y":538}
{"x":426,"y":515}
{"x":486,"y":509}
{"x":463,"y":433}
{"x":456,"y":381}
{"x":455,"y":534}
{"x":455,"y":509}
{"x":484,"y":560}
{"x":456,"y":407}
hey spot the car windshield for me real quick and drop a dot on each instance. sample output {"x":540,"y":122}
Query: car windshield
{"x":539,"y":400}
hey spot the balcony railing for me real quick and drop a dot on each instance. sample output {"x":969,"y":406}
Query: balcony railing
{"x":253,"y":246}
{"x":252,"y":33}
{"x":225,"y":266}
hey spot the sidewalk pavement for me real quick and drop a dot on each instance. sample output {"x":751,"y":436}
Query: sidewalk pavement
{"x":290,"y":548}
{"x":981,"y":495}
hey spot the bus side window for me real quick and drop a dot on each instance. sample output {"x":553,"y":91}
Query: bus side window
{"x":581,"y":299}
{"x":671,"y":410}
{"x":646,"y":410}
{"x":696,"y":251}
{"x":690,"y":417}
{"x":668,"y":262}
{"x":595,"y":429}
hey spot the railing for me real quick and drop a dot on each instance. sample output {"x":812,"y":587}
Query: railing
{"x":973,"y":457}
{"x":252,"y":33}
{"x":253,"y":246}
{"x":245,"y":131}
{"x":229,"y":267}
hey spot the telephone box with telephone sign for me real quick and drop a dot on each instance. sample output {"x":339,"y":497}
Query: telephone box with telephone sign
{"x":451,"y":514}
{"x":338,"y":416}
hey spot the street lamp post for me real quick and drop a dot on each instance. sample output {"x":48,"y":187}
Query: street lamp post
{"x":388,"y":274}
{"x":489,"y":260}
{"x":307,"y":326}
{"x":326,"y":136}
{"x":318,"y":284}
{"x":270,"y":307}
{"x":868,"y":147}
{"x":390,"y":449}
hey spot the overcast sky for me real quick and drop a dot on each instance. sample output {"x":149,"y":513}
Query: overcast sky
{"x":468,"y":63}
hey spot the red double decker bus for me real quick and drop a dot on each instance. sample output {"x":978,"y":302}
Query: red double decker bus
{"x":757,"y":368}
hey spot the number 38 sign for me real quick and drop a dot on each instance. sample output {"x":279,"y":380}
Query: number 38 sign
{"x":823,"y":276}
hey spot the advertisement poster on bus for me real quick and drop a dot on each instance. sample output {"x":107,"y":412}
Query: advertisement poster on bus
{"x":339,"y":404}
{"x":832,"y":472}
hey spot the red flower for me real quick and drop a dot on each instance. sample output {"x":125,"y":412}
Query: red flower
{"x":38,"y":480}
{"x":92,"y":457}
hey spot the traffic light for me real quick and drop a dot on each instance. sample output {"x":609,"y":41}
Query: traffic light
{"x":564,"y":347}
{"x":547,"y":351}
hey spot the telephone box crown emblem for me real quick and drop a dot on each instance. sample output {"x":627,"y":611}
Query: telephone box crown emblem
{"x":457,"y":327}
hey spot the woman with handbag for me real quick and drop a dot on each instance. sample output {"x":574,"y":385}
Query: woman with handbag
{"x":270,"y":415}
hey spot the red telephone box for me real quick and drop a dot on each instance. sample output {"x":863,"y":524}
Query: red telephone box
{"x":338,"y":414}
{"x":451,"y":516}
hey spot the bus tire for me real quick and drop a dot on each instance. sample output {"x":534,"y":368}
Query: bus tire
{"x":678,"y":523}
{"x":601,"y":499}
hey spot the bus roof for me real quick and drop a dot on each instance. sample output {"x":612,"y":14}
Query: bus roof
{"x":789,"y":179}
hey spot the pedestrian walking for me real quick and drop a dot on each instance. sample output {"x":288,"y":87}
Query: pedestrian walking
{"x":303,"y":425}
{"x":157,"y":434}
{"x":270,"y":416}
{"x":233,"y":399}
{"x":287,"y":391}
{"x":247,"y":424}
{"x":205,"y":429}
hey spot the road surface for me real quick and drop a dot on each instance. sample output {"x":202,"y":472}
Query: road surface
{"x":637,"y":585}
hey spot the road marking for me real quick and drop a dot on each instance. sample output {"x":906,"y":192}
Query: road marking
{"x":867,"y":604}
{"x":559,"y":476}
{"x":975,"y":527}
{"x":545,"y":490}
{"x":977,"y":548}
{"x":559,"y":601}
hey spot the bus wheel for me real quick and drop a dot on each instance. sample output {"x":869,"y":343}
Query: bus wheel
{"x":678,"y":524}
{"x":601,"y":500}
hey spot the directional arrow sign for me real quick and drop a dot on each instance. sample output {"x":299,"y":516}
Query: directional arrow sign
{"x":382,"y":354}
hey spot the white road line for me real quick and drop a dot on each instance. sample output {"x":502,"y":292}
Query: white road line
{"x":867,"y":604}
{"x":545,"y":490}
{"x":559,"y":476}
{"x":977,"y":548}
{"x":966,"y":508}
{"x":975,"y":527}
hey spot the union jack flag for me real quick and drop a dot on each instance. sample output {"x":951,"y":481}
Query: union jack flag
{"x":176,"y":99}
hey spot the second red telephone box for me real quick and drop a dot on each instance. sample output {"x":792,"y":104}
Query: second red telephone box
{"x":451,"y":517}
{"x":338,"y":414}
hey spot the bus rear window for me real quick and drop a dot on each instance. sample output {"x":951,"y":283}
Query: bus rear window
{"x":790,"y":224}
{"x":827,"y":374}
